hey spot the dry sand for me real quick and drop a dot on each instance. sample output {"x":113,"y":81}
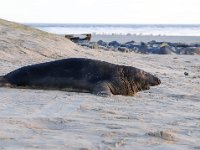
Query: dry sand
{"x":164,"y":117}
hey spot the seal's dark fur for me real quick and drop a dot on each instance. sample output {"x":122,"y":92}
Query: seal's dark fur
{"x":82,"y":75}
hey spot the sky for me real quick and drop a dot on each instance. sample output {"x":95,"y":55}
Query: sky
{"x":102,"y":11}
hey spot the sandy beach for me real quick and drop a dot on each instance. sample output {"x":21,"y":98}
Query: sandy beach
{"x":164,"y":117}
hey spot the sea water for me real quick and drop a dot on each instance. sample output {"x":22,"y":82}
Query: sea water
{"x":121,"y":29}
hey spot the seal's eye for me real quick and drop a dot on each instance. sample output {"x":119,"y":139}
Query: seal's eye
{"x":145,"y":75}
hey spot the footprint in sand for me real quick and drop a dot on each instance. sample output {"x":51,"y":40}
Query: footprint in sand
{"x":163,"y":135}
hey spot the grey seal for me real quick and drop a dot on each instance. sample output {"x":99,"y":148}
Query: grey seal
{"x":81,"y":75}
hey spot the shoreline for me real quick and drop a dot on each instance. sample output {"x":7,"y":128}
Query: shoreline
{"x":140,"y":44}
{"x":145,"y":38}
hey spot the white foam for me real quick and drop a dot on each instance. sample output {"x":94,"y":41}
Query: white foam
{"x":169,"y":30}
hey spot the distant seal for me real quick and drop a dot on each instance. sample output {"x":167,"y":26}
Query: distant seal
{"x":81,"y":75}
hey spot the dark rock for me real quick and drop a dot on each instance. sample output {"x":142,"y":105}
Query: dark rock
{"x":143,"y":48}
{"x":123,"y":49}
{"x":186,"y":74}
{"x":195,"y":45}
{"x":155,"y":42}
{"x":153,"y":50}
{"x":130,"y":42}
{"x":152,"y":47}
{"x":152,"y":42}
{"x":189,"y":51}
{"x":129,"y":46}
{"x":143,"y":44}
{"x":114,"y":44}
{"x":184,"y":45}
{"x":123,"y":45}
{"x":102,"y":43}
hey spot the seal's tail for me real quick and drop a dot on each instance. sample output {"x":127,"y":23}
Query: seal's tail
{"x":4,"y":82}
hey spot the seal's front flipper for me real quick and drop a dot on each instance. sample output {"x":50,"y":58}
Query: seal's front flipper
{"x":102,"y":89}
{"x":104,"y":93}
{"x":4,"y":82}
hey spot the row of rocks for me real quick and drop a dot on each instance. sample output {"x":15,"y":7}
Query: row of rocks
{"x":152,"y":47}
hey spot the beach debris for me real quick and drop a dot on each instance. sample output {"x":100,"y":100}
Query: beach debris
{"x":77,"y":38}
{"x":186,"y":73}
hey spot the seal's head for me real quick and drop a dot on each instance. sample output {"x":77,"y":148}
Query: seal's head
{"x":153,"y":80}
{"x":139,"y":79}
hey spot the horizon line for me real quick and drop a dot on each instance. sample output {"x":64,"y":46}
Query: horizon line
{"x":36,"y":23}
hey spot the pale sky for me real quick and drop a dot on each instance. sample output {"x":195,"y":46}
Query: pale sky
{"x":102,"y":11}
